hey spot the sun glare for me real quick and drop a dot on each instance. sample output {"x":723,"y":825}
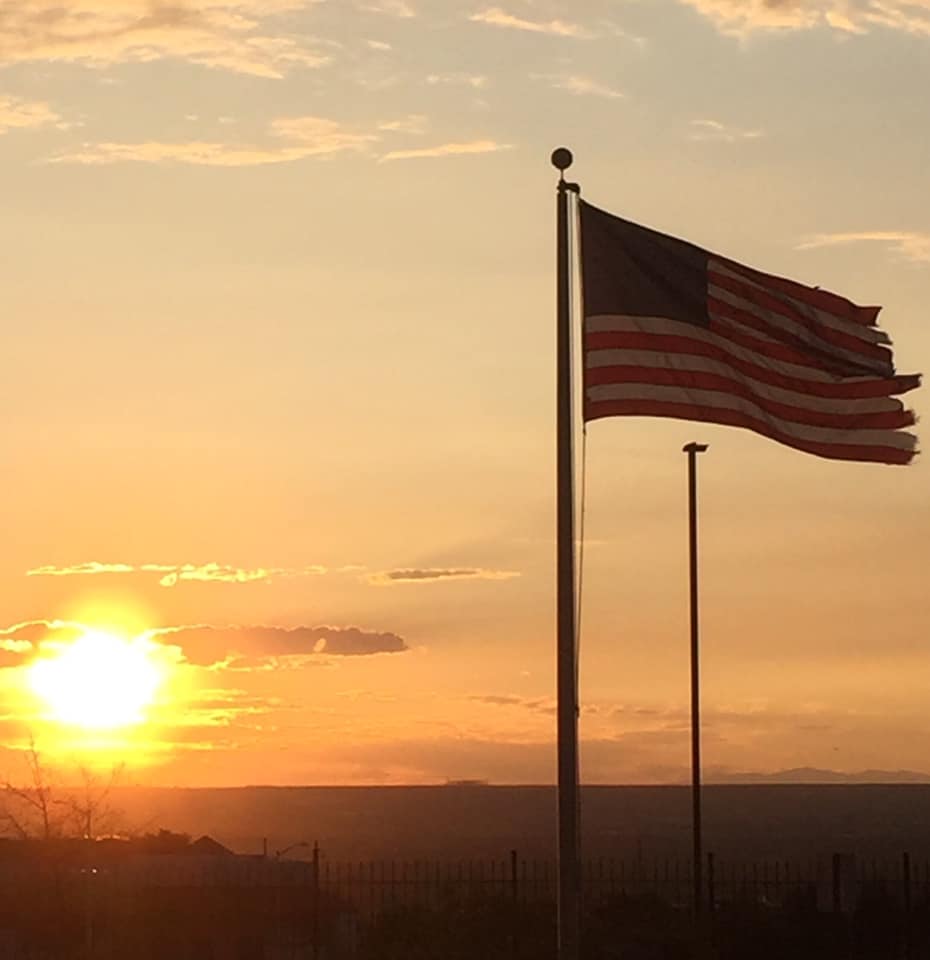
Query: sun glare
{"x":100,"y":681}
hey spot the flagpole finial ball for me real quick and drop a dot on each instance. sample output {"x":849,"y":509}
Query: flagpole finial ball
{"x":562,"y":158}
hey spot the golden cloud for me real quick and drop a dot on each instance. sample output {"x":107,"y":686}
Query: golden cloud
{"x":238,"y":35}
{"x":16,"y":114}
{"x":744,"y":16}
{"x":304,"y":136}
{"x":253,"y":648}
{"x":173,"y":574}
{"x":907,"y":244}
{"x":438,"y":574}
{"x":497,"y":17}
{"x":447,"y":150}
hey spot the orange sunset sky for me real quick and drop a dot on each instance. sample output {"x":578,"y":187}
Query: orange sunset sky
{"x":278,"y":434}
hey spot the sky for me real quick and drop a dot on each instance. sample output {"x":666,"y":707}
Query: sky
{"x":278,"y":298}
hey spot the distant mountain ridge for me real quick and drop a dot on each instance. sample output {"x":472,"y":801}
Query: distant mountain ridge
{"x":813,"y":775}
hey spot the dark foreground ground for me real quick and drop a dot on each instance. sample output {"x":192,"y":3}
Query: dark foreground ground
{"x":449,"y":873}
{"x":240,"y":927}
{"x":75,"y":900}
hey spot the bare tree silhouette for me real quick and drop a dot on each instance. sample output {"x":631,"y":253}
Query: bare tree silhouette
{"x":92,"y":814}
{"x":43,"y":807}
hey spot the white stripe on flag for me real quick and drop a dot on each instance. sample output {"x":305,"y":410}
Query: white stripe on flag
{"x":841,"y":324}
{"x":688,"y":363}
{"x":803,"y":334}
{"x":711,"y":398}
{"x":676,"y":328}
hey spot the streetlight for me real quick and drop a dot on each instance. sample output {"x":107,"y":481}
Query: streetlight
{"x":294,"y":846}
{"x":692,"y":450}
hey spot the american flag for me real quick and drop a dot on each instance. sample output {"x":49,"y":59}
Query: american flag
{"x":671,"y":330}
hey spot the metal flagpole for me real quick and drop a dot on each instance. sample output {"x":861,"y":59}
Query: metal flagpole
{"x":693,"y":449}
{"x":569,"y":889}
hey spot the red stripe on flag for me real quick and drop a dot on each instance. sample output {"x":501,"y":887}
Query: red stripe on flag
{"x":735,"y":418}
{"x":733,"y":331}
{"x":821,"y":299}
{"x":701,"y":380}
{"x":767,"y":302}
{"x":819,"y":355}
{"x":839,"y":389}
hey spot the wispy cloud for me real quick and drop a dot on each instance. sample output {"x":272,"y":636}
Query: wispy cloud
{"x":257,"y":648}
{"x":720,"y":132}
{"x":31,"y":632}
{"x":239,"y":648}
{"x":320,"y":134}
{"x":580,"y":86}
{"x":16,"y":114}
{"x":438,"y":574}
{"x":194,"y":153}
{"x":615,"y":30}
{"x":447,"y":150}
{"x":535,"y":704}
{"x":15,"y":647}
{"x":381,"y":46}
{"x":740,"y":17}
{"x":909,"y":245}
{"x":21,"y":642}
{"x":476,"y":81}
{"x":171,"y":575}
{"x":392,"y":8}
{"x":301,"y":137}
{"x":305,"y":137}
{"x":496,"y":17}
{"x":911,"y":16}
{"x":220,"y":708}
{"x":219,"y":573}
{"x":244,"y":36}
{"x":413,"y":124}
{"x":91,"y":568}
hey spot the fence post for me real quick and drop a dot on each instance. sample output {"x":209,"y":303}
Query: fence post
{"x":711,"y":886}
{"x":514,"y":912}
{"x":906,"y":884}
{"x":315,"y":879}
{"x":89,"y":876}
{"x":837,"y":888}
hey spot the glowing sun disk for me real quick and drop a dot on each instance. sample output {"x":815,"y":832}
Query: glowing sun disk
{"x":98,"y":682}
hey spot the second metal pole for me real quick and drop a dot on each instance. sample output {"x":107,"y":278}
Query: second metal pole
{"x":693,"y":449}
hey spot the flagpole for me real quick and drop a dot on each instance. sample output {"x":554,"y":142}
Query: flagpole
{"x":697,"y":873}
{"x":569,"y":883}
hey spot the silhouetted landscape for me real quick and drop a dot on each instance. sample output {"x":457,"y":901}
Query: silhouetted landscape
{"x":474,"y":821}
{"x":466,"y":870}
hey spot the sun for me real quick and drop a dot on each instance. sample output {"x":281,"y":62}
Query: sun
{"x":100,"y":681}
